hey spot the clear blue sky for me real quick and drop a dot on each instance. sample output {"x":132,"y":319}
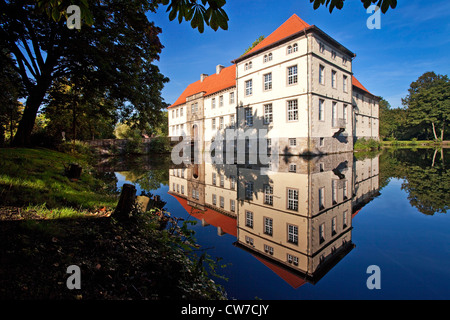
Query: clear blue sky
{"x":414,"y":38}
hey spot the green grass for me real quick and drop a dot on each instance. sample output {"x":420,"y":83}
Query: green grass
{"x":36,"y":177}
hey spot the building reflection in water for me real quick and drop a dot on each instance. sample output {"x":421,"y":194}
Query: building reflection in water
{"x":296,"y":220}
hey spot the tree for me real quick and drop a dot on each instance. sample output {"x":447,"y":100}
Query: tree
{"x":428,"y":102}
{"x":11,"y":92}
{"x":113,"y":51}
{"x":339,"y":4}
{"x":254,"y":44}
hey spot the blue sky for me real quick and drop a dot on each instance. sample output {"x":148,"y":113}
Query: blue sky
{"x":413,"y":39}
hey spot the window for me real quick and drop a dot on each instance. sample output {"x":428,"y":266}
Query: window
{"x":249,"y":240}
{"x":214,"y":178}
{"x":222,"y":180}
{"x":292,"y":75}
{"x":173,"y":114}
{"x":249,"y":190}
{"x":268,"y":249}
{"x":345,"y":114}
{"x":246,"y":66}
{"x":233,"y":182}
{"x":265,"y":58}
{"x":213,"y":123}
{"x":214,"y":199}
{"x":321,"y":74}
{"x":267,"y":81}
{"x":231,"y":97}
{"x":178,"y":113}
{"x":250,"y":65}
{"x":321,"y":141}
{"x":294,"y":47}
{"x":292,"y":167}
{"x":221,"y":123}
{"x":292,"y":233}
{"x":321,"y":198}
{"x":232,"y":121}
{"x":292,"y":259}
{"x":248,"y":117}
{"x":268,"y":194}
{"x":289,"y":49}
{"x":334,"y":191}
{"x":344,"y":83}
{"x":213,"y":103}
{"x":249,"y":219}
{"x":268,"y":226}
{"x":292,"y":142}
{"x":268,"y":116}
{"x":270,"y":57}
{"x":248,"y":87}
{"x":333,"y":226}
{"x":344,"y":61}
{"x":321,"y":110}
{"x":221,"y":101}
{"x":345,"y":190}
{"x":292,"y":110}
{"x":321,"y":47}
{"x":333,"y":79}
{"x":333,"y":55}
{"x":345,"y":219}
{"x":293,"y":199}
{"x":182,"y":189}
{"x":232,"y":205}
{"x":222,"y":202}
{"x":181,"y":112}
{"x":322,"y":233}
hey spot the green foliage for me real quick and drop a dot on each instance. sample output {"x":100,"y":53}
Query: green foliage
{"x":339,"y":4}
{"x":428,"y":102}
{"x":254,"y":44}
{"x":36,"y":176}
{"x":425,"y":174}
{"x":363,"y":144}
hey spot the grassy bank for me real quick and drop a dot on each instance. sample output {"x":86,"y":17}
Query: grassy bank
{"x":414,"y":143}
{"x":49,"y":222}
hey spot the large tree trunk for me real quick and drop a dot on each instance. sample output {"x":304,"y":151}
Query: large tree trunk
{"x":26,"y":124}
{"x":442,"y":131}
{"x":434,"y":131}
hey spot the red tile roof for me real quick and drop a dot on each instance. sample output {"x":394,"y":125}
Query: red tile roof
{"x":211,"y":84}
{"x":358,"y":84}
{"x":293,"y":25}
{"x":212,"y":217}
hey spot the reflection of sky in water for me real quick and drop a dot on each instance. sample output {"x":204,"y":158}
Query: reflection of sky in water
{"x":412,"y":250}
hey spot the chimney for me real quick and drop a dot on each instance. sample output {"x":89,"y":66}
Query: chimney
{"x":219,"y":68}
{"x":203,"y":77}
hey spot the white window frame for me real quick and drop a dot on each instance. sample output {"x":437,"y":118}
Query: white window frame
{"x":292,"y":75}
{"x":267,"y":79}
{"x":248,"y":87}
{"x":292,"y":110}
{"x":248,"y":116}
{"x":292,"y":199}
{"x":292,"y":233}
{"x":268,"y":113}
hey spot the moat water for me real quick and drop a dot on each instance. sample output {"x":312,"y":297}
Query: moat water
{"x":379,"y":229}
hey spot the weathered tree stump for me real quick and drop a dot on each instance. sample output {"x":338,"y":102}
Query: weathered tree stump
{"x":74,"y":171}
{"x":126,"y":202}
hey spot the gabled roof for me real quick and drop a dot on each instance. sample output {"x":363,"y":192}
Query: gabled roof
{"x":357,"y":84}
{"x":291,"y":26}
{"x":211,"y":84}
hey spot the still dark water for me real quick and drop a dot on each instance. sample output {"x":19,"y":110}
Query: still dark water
{"x":310,"y":228}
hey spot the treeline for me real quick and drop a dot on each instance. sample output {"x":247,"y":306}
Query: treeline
{"x":425,"y":112}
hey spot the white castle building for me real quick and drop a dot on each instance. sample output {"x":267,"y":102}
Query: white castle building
{"x":296,"y":85}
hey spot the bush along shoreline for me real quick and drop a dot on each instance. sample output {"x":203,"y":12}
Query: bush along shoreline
{"x":49,"y":222}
